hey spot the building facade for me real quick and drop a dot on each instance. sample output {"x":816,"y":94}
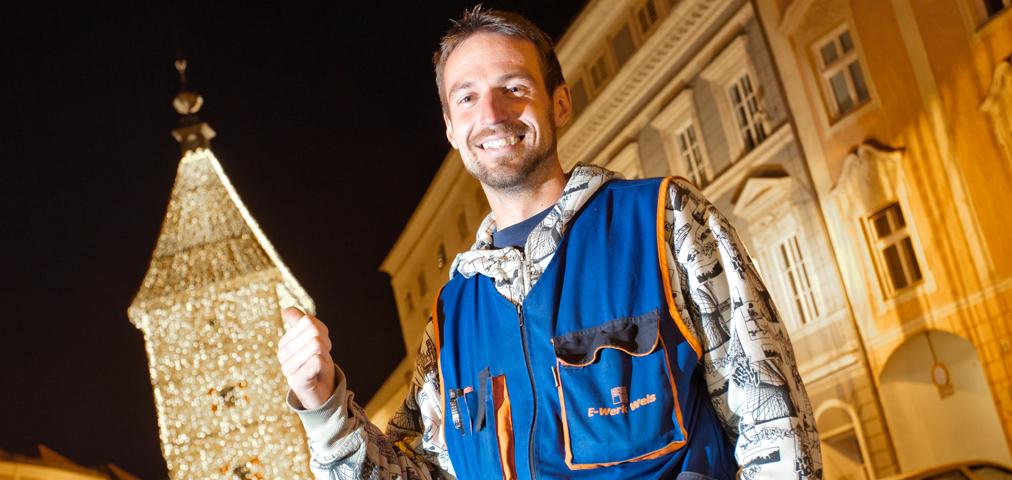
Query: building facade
{"x":902,"y":110}
{"x":864,"y":165}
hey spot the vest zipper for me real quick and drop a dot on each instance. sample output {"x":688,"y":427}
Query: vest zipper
{"x":534,"y":389}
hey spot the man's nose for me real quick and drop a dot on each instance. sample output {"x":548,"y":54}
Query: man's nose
{"x":494,"y":109}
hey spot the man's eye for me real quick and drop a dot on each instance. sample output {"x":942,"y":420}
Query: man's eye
{"x":515,"y":89}
{"x":466,"y":99}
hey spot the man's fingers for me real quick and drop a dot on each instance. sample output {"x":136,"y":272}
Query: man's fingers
{"x":304,"y":353}
{"x":297,"y":361}
{"x":292,"y":315}
{"x":310,"y":372}
{"x":303,"y":332}
{"x":309,"y":343}
{"x":294,"y":331}
{"x":300,"y":326}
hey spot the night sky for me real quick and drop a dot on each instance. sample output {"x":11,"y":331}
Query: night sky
{"x":328,"y":125}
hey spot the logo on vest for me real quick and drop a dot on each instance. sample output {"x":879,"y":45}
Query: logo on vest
{"x":620,"y":397}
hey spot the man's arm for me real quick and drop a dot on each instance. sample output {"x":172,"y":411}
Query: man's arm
{"x":342,"y":440}
{"x":748,"y":361}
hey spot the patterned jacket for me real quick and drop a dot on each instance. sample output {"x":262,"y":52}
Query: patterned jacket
{"x":748,"y":362}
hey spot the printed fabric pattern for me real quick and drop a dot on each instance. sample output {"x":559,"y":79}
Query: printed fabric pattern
{"x":748,"y":363}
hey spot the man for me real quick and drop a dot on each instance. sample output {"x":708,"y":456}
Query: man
{"x":566,"y":344}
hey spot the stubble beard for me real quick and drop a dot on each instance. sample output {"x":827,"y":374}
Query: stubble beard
{"x":510,"y":177}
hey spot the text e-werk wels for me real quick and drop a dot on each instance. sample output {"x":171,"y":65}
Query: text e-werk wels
{"x":621,"y":409}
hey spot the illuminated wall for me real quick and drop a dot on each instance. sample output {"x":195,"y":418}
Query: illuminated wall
{"x":901,"y":112}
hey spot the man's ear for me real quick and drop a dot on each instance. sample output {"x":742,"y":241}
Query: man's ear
{"x":449,"y":131}
{"x":563,"y":105}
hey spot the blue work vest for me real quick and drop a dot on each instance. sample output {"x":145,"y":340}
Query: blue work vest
{"x":594,"y":375}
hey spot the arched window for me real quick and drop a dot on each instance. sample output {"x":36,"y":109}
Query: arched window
{"x":844,"y":453}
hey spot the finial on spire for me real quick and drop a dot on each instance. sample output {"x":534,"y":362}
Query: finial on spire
{"x":187,"y":102}
{"x":181,"y":67}
{"x":192,"y":133}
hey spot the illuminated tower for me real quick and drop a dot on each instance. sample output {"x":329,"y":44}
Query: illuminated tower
{"x":210,"y":309}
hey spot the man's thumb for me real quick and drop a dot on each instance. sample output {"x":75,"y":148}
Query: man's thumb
{"x":292,"y":315}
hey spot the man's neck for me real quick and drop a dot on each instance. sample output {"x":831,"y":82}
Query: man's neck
{"x":514,"y":206}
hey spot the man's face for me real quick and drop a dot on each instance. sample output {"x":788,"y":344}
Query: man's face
{"x":501,"y":117}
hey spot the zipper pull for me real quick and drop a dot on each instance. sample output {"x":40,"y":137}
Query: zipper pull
{"x":520,"y":314}
{"x":555,"y":373}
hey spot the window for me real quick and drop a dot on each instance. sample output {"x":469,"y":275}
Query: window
{"x":843,"y":451}
{"x":988,"y":472}
{"x":684,"y":147}
{"x":688,"y":147}
{"x":746,"y":111}
{"x":842,"y":76}
{"x":578,"y":91}
{"x":992,"y":7}
{"x":623,"y":46}
{"x":423,"y":288}
{"x":599,"y":72}
{"x":483,"y":207}
{"x":462,"y":229}
{"x":440,"y":256}
{"x":647,"y":17}
{"x":894,"y":247}
{"x":733,"y":82}
{"x":986,"y":9}
{"x":795,"y":275}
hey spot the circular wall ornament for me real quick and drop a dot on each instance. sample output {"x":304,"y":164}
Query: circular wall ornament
{"x":940,"y":377}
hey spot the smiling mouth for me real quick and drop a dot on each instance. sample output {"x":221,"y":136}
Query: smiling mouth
{"x":501,"y":142}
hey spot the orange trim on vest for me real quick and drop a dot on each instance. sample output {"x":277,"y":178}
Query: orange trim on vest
{"x":504,"y":427}
{"x":602,"y":347}
{"x":665,"y":277}
{"x":435,"y":339}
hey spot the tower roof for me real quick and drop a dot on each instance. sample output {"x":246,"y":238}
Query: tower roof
{"x":208,"y":237}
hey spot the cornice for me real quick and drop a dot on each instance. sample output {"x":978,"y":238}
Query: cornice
{"x":646,"y":70}
{"x":583,"y":37}
{"x":732,"y":177}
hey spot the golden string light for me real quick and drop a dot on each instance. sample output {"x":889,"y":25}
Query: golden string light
{"x":210,"y":309}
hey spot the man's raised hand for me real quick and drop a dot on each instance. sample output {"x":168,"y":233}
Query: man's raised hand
{"x":304,"y":353}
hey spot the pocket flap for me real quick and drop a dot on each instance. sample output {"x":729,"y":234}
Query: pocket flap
{"x":636,"y":336}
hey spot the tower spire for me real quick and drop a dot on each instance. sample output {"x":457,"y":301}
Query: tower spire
{"x":192,"y":133}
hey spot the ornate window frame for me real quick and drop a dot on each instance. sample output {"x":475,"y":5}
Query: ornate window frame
{"x":855,"y":427}
{"x":998,"y":104}
{"x":840,"y":65}
{"x":871,"y":180}
{"x":978,"y":22}
{"x":599,"y":71}
{"x":810,"y":22}
{"x":726,"y":70}
{"x":641,"y":12}
{"x":772,"y":207}
{"x":670,"y":122}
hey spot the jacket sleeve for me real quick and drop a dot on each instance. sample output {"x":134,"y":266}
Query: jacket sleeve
{"x":344,"y":444}
{"x":748,"y":362}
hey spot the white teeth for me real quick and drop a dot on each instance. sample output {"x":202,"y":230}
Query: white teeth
{"x":502,"y":142}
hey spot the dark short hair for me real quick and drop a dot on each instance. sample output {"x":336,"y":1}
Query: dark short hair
{"x":510,"y":24}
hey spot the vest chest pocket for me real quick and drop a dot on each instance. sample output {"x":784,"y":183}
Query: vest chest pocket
{"x":616,"y":393}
